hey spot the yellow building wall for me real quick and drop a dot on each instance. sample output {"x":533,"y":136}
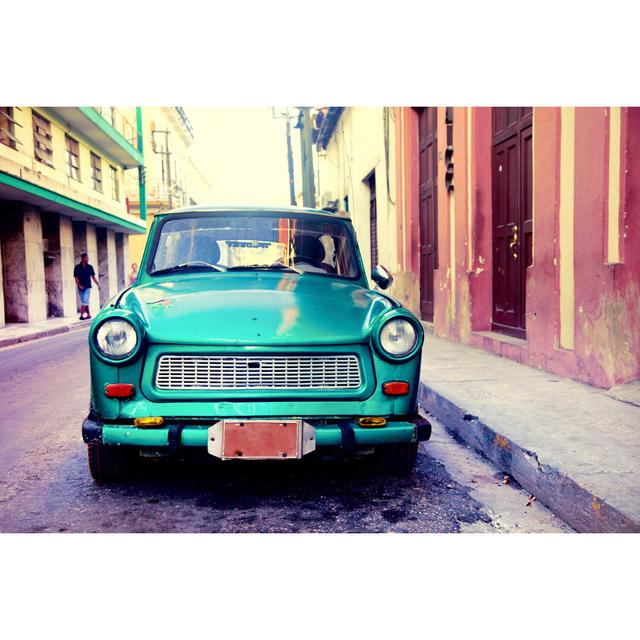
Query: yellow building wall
{"x":136,"y":245}
{"x":21,"y":162}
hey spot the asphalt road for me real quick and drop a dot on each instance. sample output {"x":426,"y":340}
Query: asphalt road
{"x":45,"y":484}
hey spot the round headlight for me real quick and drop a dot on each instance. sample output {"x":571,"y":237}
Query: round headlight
{"x":116,"y":339}
{"x":398,"y":337}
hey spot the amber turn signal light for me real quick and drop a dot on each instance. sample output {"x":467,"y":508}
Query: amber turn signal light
{"x":395,"y":388}
{"x":154,"y":421}
{"x":119,"y":390}
{"x":372,"y":422}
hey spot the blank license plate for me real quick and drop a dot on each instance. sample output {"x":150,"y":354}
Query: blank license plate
{"x":256,"y":439}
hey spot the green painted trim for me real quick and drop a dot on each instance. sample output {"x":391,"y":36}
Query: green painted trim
{"x":142,"y":185}
{"x":114,"y":134}
{"x":196,"y":436}
{"x":52,"y":196}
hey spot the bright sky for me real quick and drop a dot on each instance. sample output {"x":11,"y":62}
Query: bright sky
{"x":243,"y":154}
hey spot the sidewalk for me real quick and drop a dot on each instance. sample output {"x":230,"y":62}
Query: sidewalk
{"x":574,"y":447}
{"x":15,"y":332}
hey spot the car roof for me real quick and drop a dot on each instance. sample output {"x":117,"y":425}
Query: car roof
{"x":248,"y":209}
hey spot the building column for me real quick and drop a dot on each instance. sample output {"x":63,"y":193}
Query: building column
{"x":52,"y":270}
{"x":79,"y":246}
{"x":25,"y":297}
{"x":106,"y":241}
{"x":67,"y":263}
{"x":92,"y":250}
{"x":85,"y":241}
{"x":58,"y":265}
{"x":112,"y":264}
{"x":126,"y":258}
{"x":120,"y":263}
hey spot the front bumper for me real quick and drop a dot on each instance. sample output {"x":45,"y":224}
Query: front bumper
{"x":328,"y":434}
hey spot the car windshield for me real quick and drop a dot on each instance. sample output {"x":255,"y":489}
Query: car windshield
{"x":273,"y":243}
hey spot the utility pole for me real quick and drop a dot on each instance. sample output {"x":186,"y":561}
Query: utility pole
{"x":306,"y":150}
{"x":292,"y":187}
{"x":167,"y":156}
{"x":287,"y":118}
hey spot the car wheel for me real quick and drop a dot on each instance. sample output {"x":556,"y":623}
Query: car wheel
{"x":399,"y":459}
{"x":109,"y":463}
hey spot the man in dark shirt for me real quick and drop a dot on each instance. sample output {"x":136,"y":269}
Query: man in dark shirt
{"x":83,"y":274}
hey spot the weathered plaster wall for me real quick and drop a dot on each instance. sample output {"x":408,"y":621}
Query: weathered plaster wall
{"x":59,"y":264}
{"x":120,"y":264}
{"x":24,"y":281}
{"x":52,"y":266}
{"x":107,"y":264}
{"x":67,"y":263}
{"x":92,"y":250}
{"x":407,"y":275}
{"x":607,"y":296}
{"x":481,"y":259}
{"x":36,"y":296}
{"x":606,"y":312}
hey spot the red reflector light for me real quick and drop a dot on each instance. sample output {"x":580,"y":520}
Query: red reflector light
{"x":395,"y":388}
{"x":119,"y":390}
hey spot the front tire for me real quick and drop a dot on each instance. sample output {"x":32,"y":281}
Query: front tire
{"x":399,"y":459}
{"x":109,"y":463}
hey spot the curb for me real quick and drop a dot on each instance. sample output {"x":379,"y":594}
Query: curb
{"x":45,"y":333}
{"x":570,"y":501}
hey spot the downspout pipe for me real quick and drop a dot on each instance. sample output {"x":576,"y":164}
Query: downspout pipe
{"x":142,"y":187}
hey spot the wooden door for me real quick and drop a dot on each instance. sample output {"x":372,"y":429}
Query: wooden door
{"x":512,"y":216}
{"x":428,"y":207}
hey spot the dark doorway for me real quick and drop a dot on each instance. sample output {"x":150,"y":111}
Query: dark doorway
{"x":512,"y":215}
{"x":370,"y":181}
{"x":428,"y":207}
{"x":53,"y":276}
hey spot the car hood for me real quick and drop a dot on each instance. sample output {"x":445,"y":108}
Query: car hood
{"x":255,"y":309}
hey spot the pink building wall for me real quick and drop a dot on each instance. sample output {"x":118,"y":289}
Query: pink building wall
{"x":606,"y":296}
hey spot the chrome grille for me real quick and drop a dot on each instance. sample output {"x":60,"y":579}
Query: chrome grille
{"x":177,"y":372}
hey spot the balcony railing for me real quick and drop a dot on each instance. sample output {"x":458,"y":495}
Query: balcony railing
{"x":123,"y":126}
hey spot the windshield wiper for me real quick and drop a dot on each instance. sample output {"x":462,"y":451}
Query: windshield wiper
{"x":264,"y":267}
{"x":197,"y":264}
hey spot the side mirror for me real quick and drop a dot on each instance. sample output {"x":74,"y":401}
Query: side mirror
{"x":381,"y":276}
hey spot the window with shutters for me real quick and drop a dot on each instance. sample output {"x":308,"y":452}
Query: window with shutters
{"x":115,"y":187}
{"x":96,"y":172}
{"x":42,"y":146}
{"x":73,"y":157}
{"x":7,"y":127}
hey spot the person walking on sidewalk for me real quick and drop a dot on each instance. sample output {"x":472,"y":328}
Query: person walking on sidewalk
{"x":83,"y":274}
{"x":133,"y":276}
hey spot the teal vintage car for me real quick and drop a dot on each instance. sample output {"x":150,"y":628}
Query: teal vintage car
{"x":251,"y":334}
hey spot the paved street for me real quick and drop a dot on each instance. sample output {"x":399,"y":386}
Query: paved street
{"x":46,"y":487}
